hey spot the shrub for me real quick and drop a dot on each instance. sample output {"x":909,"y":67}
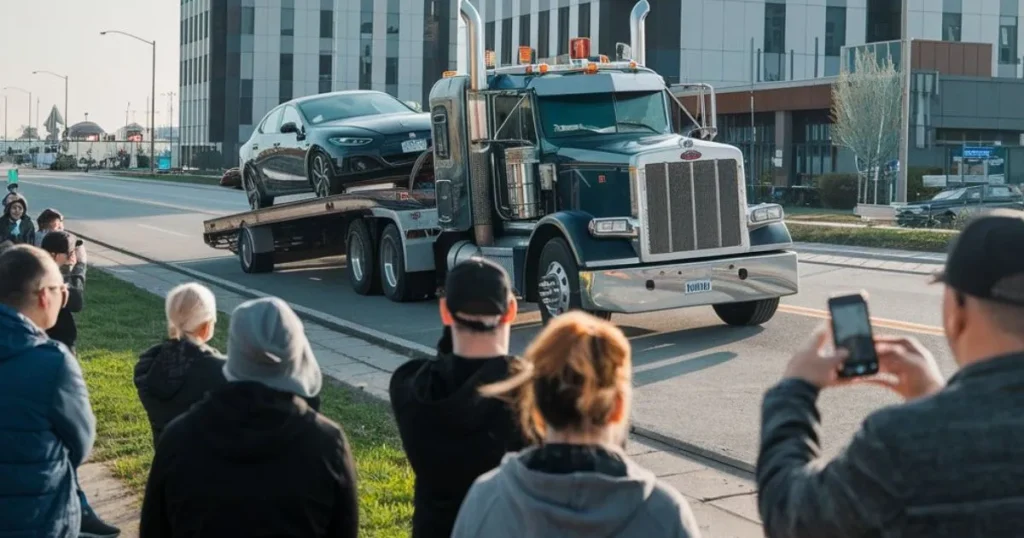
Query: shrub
{"x":919,"y":240}
{"x":64,"y":162}
{"x":838,"y":191}
{"x":915,"y":184}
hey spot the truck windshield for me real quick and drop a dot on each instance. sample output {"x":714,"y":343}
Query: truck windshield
{"x":343,"y":107}
{"x":625,"y":112}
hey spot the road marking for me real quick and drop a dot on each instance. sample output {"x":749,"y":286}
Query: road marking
{"x":155,"y":228}
{"x":130,"y":199}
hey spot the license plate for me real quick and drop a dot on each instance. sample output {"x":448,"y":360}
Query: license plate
{"x":698,"y":286}
{"x":410,"y":146}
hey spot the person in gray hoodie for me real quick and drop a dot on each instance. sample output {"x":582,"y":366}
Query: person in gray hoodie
{"x":573,"y":393}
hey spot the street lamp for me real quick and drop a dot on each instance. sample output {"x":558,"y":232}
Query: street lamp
{"x":152,"y":112}
{"x":65,"y":77}
{"x":23,"y":90}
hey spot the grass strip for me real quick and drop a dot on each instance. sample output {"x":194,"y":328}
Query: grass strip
{"x":120,"y":321}
{"x":917,"y":240}
{"x":171,"y":178}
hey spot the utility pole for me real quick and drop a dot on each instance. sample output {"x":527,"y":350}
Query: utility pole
{"x":152,"y":112}
{"x":905,"y":44}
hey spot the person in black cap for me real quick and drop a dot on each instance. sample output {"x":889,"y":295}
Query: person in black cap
{"x":450,"y":433}
{"x":950,"y":460}
{"x":62,"y":246}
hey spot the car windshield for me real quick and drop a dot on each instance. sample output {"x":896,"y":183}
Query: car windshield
{"x":950,"y":195}
{"x":625,"y":112}
{"x":343,"y":107}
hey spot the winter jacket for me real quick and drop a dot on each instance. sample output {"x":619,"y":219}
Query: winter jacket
{"x":451,"y":435}
{"x":46,"y":430}
{"x":947,"y":466}
{"x":174,"y":375}
{"x":21,"y":231}
{"x":65,"y":330}
{"x":573,"y":491}
{"x":251,"y":461}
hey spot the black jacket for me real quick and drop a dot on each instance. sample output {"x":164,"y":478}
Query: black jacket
{"x":65,"y":330}
{"x":251,"y":461}
{"x":174,"y":375}
{"x":451,"y":434}
{"x":26,"y":228}
{"x":946,"y":466}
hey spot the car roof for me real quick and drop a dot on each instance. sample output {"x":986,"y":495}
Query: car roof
{"x":313,"y":97}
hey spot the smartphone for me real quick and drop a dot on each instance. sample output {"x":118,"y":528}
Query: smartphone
{"x":851,"y":330}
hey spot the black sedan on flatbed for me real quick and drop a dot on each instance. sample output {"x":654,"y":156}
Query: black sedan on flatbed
{"x":945,"y":207}
{"x":331,"y":143}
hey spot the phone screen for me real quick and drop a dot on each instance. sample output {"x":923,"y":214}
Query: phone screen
{"x":851,"y":327}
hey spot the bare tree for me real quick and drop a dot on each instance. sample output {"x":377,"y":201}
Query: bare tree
{"x":866,"y":106}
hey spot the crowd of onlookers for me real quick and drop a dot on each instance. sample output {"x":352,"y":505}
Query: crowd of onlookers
{"x":502,"y":446}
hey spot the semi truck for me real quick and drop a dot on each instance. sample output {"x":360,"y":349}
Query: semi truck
{"x":572,"y":176}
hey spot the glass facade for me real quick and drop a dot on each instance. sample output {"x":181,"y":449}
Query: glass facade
{"x":366,"y":45}
{"x":813,"y":152}
{"x":1008,"y":41}
{"x":888,"y":49}
{"x":391,"y":60}
{"x":544,"y":34}
{"x":759,"y":141}
{"x":774,"y":56}
{"x":835,"y":38}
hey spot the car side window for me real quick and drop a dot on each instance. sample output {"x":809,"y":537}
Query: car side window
{"x":272,"y":122}
{"x":291,"y":115}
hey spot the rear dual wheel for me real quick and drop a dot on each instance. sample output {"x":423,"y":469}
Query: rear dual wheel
{"x":374,"y":268}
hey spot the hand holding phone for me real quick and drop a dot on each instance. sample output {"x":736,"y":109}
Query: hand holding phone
{"x":851,"y":330}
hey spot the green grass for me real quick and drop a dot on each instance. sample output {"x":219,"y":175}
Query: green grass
{"x":120,"y":321}
{"x":919,"y":240}
{"x":171,"y":178}
{"x":812,"y":214}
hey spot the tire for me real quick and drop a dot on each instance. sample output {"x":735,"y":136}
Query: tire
{"x":747,"y":314}
{"x":251,"y":261}
{"x":557,"y":271}
{"x":321,"y":175}
{"x":254,"y":191}
{"x":361,"y":259}
{"x":397,"y":284}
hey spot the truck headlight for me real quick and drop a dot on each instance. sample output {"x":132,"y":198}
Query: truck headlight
{"x":760,"y":215}
{"x":349,"y":141}
{"x":614,"y":227}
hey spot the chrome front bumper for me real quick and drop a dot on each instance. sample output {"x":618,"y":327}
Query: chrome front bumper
{"x":697,"y":283}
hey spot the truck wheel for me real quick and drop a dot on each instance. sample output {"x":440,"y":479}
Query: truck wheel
{"x":254,"y":191}
{"x":749,"y":313}
{"x":252,"y":261}
{"x":398,"y":285}
{"x":321,"y":176}
{"x":361,"y":260}
{"x":558,"y":281}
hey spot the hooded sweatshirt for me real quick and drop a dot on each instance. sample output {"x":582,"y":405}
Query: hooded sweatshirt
{"x":173,"y":376}
{"x":451,"y":435}
{"x":46,"y":430}
{"x":573,"y":492}
{"x":251,"y":461}
{"x":21,"y":230}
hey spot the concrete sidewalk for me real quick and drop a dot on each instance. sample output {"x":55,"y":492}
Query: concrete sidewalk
{"x":723,"y":499}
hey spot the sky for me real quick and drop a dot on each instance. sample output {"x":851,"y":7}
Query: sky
{"x":105,"y":73}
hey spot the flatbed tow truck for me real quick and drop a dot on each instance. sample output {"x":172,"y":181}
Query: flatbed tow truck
{"x":569,"y":174}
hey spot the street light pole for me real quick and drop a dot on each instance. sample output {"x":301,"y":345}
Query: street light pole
{"x":152,"y":117}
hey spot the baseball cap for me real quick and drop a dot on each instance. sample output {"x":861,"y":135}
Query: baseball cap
{"x":986,"y":261}
{"x":477,"y":287}
{"x":60,"y":242}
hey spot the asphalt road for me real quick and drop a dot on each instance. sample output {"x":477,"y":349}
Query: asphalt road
{"x":696,"y":379}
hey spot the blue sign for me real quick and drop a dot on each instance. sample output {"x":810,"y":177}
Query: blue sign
{"x":164,"y":162}
{"x":12,"y":175}
{"x":977,"y":152}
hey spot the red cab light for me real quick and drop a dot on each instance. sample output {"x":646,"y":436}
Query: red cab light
{"x":525,"y":55}
{"x":579,"y":48}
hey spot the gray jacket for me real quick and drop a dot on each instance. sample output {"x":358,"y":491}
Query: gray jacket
{"x":514,"y":501}
{"x":951,"y":465}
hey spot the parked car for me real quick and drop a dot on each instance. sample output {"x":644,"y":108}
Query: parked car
{"x":330,"y":143}
{"x":944,"y":208}
{"x":232,"y":178}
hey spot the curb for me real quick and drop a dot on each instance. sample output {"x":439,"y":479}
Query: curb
{"x":831,"y":250}
{"x":731,"y":465}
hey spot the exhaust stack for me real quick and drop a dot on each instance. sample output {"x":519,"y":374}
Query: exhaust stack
{"x":475,"y":43}
{"x":638,"y":31}
{"x":480,"y":186}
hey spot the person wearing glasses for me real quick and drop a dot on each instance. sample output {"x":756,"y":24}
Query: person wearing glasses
{"x":63,"y":246}
{"x":47,"y":424}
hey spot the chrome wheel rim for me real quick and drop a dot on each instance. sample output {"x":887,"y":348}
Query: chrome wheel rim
{"x":246,"y":248}
{"x":250,"y":189}
{"x":321,"y":177}
{"x":389,"y":257}
{"x":554,"y":289}
{"x":357,"y":258}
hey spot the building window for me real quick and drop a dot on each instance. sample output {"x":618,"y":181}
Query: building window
{"x":1008,"y":40}
{"x":951,"y":26}
{"x":489,"y":35}
{"x":835,"y":30}
{"x":248,"y":20}
{"x":366,"y":45}
{"x":524,"y":31}
{"x":584,"y":20}
{"x":391,"y":60}
{"x":563,"y":30}
{"x":327,"y":23}
{"x":287,"y":21}
{"x":774,"y":57}
{"x":391,"y":76}
{"x":543,"y":34}
{"x":287,"y":70}
{"x":245,"y":102}
{"x":206,"y":24}
{"x":326,"y":73}
{"x":506,"y":41}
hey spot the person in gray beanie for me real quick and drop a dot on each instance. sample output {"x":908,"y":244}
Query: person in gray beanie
{"x":258,"y":432}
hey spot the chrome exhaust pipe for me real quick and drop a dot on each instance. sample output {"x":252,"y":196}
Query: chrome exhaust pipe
{"x":638,"y":31}
{"x":475,"y":43}
{"x":481,"y":200}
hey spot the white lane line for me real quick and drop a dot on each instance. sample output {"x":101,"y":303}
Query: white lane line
{"x":130,"y":199}
{"x":148,"y":227}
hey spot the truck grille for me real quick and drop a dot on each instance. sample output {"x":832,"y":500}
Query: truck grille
{"x":688,"y":210}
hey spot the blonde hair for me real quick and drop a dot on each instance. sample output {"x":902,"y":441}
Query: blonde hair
{"x":188,"y":307}
{"x":570,"y":376}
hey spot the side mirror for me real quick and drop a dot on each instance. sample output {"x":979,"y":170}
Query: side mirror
{"x":289,"y":127}
{"x":414,"y":105}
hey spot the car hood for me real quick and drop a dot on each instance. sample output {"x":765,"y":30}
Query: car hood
{"x":385,"y":124}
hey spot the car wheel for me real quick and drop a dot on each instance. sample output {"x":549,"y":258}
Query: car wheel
{"x":360,"y":259}
{"x":321,"y":175}
{"x":397,"y":284}
{"x":558,"y":282}
{"x":254,"y":191}
{"x":747,"y":313}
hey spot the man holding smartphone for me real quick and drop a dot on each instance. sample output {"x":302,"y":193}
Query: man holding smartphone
{"x":950,"y":460}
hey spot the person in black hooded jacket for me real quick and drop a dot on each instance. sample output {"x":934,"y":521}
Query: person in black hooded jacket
{"x":451,"y":434}
{"x":15,"y":224}
{"x":175,"y":374}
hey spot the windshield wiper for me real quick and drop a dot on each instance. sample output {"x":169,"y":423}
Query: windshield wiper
{"x":637,"y":124}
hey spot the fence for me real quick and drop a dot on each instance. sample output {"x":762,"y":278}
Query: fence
{"x":42,"y":153}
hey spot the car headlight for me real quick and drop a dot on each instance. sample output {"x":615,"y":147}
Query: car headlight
{"x":349,"y":141}
{"x":764,"y":214}
{"x":614,"y":227}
